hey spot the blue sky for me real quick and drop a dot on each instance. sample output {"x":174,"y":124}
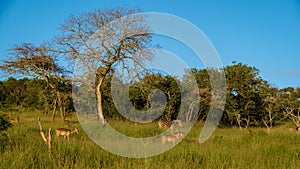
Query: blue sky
{"x":264,"y":34}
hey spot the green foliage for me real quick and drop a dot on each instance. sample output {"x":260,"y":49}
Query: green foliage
{"x":140,"y":92}
{"x":4,"y":124}
{"x":17,"y":94}
{"x":249,"y":99}
{"x":244,"y":94}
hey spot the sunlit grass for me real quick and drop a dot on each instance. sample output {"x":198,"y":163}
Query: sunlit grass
{"x":227,"y":148}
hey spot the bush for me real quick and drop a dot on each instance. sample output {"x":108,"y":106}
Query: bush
{"x":4,"y":124}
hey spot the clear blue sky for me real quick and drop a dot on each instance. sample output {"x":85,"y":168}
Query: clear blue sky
{"x":264,"y":34}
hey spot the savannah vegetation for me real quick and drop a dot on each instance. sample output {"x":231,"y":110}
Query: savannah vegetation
{"x":257,"y":129}
{"x":227,"y":148}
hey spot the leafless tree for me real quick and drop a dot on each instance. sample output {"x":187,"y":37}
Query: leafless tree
{"x":94,"y":44}
{"x":98,"y":41}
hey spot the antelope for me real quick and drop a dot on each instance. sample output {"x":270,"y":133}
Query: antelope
{"x":171,"y":124}
{"x":174,"y":137}
{"x":297,"y":129}
{"x":65,"y":132}
{"x":14,"y":121}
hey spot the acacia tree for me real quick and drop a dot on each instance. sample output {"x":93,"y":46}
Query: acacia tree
{"x":244,"y":100}
{"x":98,"y":41}
{"x":36,"y":61}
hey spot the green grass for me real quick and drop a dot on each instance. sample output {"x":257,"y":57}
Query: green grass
{"x":227,"y":148}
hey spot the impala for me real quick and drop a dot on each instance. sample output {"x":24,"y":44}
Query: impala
{"x":65,"y":132}
{"x":14,"y":121}
{"x":171,"y":124}
{"x":174,"y":137}
{"x":297,"y":129}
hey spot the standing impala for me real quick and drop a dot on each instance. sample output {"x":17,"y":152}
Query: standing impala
{"x":14,"y":121}
{"x":65,"y":132}
{"x":174,"y":137}
{"x":172,"y":124}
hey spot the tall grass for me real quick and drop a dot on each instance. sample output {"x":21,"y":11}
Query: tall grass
{"x":227,"y":148}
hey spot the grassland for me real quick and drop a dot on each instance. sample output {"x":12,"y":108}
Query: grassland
{"x":227,"y":148}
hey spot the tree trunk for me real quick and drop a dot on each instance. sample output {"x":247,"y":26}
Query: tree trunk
{"x":240,"y":125}
{"x":54,"y":111}
{"x":60,"y":106}
{"x":59,"y":101}
{"x":238,"y":120}
{"x":266,"y":124}
{"x":99,"y":100}
{"x":46,"y":109}
{"x":247,"y":122}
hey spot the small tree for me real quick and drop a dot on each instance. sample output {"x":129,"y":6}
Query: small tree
{"x":272,"y":105}
{"x":290,"y":104}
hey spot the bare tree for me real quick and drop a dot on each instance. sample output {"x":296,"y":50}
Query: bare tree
{"x":98,"y":41}
{"x":95,"y":43}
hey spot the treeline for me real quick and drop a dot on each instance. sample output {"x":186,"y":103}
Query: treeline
{"x":21,"y":95}
{"x":250,"y":100}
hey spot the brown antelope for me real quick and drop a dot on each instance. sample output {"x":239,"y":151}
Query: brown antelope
{"x":174,"y":137}
{"x":65,"y":132}
{"x":297,"y":129}
{"x":14,"y":121}
{"x":164,"y":123}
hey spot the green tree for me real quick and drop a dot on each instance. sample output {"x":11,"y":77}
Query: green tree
{"x":290,"y":104}
{"x":204,"y":86}
{"x":140,"y":94}
{"x":4,"y":125}
{"x":244,"y":104}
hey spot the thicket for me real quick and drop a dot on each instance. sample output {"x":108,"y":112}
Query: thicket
{"x":250,"y":100}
